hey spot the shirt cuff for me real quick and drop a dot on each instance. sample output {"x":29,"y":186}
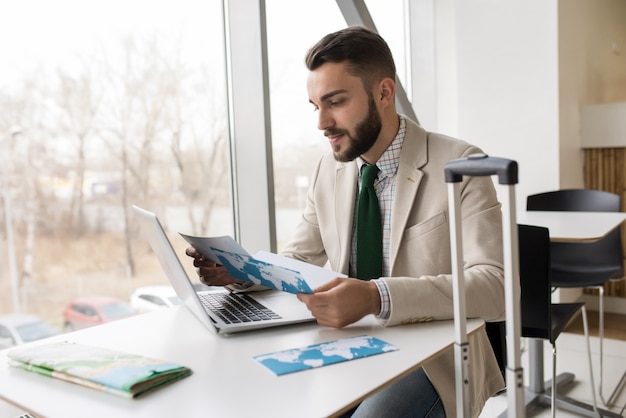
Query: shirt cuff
{"x":385,"y":300}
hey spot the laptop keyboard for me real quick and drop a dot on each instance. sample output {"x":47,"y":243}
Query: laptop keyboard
{"x":236,"y":308}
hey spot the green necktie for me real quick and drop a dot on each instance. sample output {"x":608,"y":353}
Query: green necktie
{"x":369,"y":230}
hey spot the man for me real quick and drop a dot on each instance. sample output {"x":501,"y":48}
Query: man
{"x":351,"y":85}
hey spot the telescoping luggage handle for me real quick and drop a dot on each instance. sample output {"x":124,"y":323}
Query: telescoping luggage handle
{"x":506,"y":170}
{"x":482,"y":165}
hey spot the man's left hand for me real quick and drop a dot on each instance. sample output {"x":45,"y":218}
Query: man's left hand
{"x":342,"y":301}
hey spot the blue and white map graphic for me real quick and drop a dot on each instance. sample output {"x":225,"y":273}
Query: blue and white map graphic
{"x":323,"y":354}
{"x":264,"y":268}
{"x":244,"y":267}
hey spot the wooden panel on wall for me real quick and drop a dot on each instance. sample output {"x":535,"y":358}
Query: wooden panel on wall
{"x":605,"y":170}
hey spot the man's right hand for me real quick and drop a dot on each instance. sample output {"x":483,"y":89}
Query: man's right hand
{"x":210,"y":273}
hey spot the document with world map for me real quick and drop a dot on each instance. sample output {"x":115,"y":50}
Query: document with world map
{"x":323,"y":354}
{"x":263,"y":268}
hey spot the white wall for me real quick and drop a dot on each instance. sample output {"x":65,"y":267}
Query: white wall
{"x":516,"y":77}
{"x":511,"y":77}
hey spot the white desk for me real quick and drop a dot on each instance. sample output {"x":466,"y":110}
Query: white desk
{"x":226,"y":381}
{"x":564,"y":227}
{"x":573,"y":226}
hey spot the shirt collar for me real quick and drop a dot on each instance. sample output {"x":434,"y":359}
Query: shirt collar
{"x":389,"y":161}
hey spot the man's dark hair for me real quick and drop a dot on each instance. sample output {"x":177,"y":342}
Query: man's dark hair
{"x":367,"y":54}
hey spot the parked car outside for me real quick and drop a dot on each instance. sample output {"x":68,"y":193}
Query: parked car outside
{"x":18,"y":329}
{"x":88,"y":311}
{"x":154,"y":298}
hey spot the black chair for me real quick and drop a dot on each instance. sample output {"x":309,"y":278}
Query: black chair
{"x":589,"y":264}
{"x":541,"y":319}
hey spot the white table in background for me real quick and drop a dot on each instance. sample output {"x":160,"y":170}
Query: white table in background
{"x":573,"y":226}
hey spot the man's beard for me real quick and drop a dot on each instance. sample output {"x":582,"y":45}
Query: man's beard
{"x":366,"y":133}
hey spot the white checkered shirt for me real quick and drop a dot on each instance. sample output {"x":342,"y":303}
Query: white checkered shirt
{"x":385,"y":186}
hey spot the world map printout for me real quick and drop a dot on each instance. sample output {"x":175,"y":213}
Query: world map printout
{"x":267,"y":269}
{"x":323,"y":354}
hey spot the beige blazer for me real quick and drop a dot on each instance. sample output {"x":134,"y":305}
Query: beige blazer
{"x":421,"y":283}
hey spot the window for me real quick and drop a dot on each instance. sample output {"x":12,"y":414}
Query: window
{"x":297,"y":143}
{"x":103,"y":106}
{"x":292,"y":28}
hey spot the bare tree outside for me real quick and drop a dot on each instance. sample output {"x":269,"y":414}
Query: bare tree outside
{"x":200,"y":172}
{"x":91,"y":142}
{"x":79,"y":99}
{"x":27,"y":153}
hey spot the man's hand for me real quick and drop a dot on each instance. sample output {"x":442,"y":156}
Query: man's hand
{"x":342,"y":301}
{"x":210,"y":273}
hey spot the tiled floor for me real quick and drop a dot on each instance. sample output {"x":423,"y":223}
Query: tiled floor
{"x":572,"y":357}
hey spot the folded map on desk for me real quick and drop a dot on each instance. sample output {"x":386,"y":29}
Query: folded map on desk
{"x":323,"y":354}
{"x":264,"y":268}
{"x":123,"y":374}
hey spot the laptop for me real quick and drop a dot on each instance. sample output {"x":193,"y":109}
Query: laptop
{"x":268,"y":308}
